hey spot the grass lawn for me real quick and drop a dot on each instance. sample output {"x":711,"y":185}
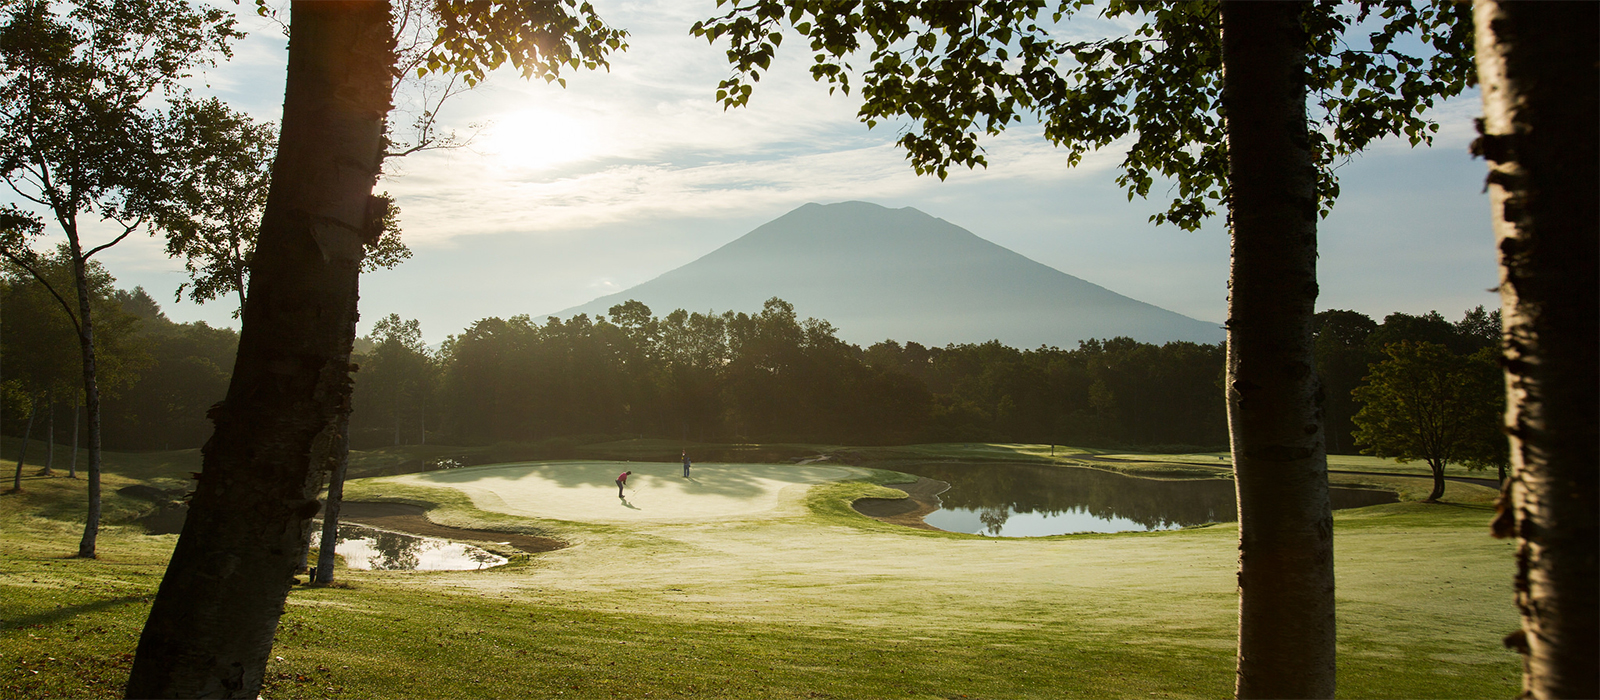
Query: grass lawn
{"x":800,"y":597}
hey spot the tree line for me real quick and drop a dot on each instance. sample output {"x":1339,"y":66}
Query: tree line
{"x":767,"y":376}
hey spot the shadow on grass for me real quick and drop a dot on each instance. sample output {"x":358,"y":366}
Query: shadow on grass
{"x":72,"y":611}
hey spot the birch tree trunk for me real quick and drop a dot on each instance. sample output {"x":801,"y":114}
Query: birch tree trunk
{"x":277,"y":435}
{"x":77,"y":410}
{"x":330,"y":513}
{"x":50,"y":434}
{"x":1286,"y":604}
{"x":1537,"y":68}
{"x":91,"y":387}
{"x":27,"y":434}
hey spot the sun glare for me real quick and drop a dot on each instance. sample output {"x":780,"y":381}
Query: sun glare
{"x":538,"y":139}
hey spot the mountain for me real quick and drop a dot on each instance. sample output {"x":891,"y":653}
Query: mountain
{"x":878,"y":273}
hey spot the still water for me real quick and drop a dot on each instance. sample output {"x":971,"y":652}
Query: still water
{"x":1033,"y":501}
{"x":367,"y":548}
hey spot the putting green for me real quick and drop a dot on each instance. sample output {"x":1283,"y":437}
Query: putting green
{"x":657,"y":492}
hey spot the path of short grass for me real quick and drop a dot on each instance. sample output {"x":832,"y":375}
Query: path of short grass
{"x":809,"y":600}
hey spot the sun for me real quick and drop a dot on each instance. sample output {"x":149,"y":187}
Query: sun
{"x":537,"y":139}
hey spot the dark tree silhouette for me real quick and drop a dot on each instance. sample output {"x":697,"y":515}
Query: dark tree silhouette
{"x":278,"y":430}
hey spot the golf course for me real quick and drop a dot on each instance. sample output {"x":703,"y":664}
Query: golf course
{"x":752,"y":579}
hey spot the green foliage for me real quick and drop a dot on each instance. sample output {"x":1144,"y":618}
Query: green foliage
{"x":396,"y":385}
{"x":538,"y":37}
{"x":1347,"y":343}
{"x":1426,"y":403}
{"x":771,"y":376}
{"x":387,"y":250}
{"x":215,"y":207}
{"x":40,"y":340}
{"x":960,"y":70}
{"x":77,"y":132}
{"x":165,"y":407}
{"x":157,"y":377}
{"x":212,"y":214}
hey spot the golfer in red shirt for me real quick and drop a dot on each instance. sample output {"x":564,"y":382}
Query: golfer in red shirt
{"x":622,"y":480}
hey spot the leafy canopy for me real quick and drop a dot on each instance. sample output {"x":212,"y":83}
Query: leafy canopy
{"x":1426,"y":403}
{"x":538,"y":37}
{"x":76,"y":130}
{"x":957,"y":70}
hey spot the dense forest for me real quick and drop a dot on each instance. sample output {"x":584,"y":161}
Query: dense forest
{"x":770,"y":376}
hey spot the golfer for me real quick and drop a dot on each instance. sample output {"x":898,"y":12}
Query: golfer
{"x":622,"y":480}
{"x":685,"y":464}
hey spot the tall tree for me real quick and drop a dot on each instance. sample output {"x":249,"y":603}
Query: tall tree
{"x":214,"y":206}
{"x":397,"y":378}
{"x":1286,"y":604}
{"x":38,"y":347}
{"x":77,"y":136}
{"x":1426,"y":403}
{"x":1340,"y":338}
{"x":40,"y":344}
{"x":1541,"y":101}
{"x":277,"y":433}
{"x":958,"y":70}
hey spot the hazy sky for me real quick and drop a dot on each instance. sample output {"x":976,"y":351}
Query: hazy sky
{"x":570,"y":194}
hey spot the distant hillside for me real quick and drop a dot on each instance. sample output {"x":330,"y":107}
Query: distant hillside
{"x":878,"y":273}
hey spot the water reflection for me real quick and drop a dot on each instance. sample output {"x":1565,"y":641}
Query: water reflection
{"x":1033,"y":501}
{"x":368,"y":548}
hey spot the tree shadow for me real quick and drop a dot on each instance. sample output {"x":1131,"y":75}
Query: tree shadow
{"x":58,"y":615}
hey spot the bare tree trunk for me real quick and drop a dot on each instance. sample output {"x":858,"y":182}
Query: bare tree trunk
{"x":1536,"y":64}
{"x":27,"y":433}
{"x":91,"y":392}
{"x":1286,"y":603}
{"x":50,"y":434}
{"x":330,"y":512}
{"x":77,"y":410}
{"x":277,"y":433}
{"x":1437,"y":468}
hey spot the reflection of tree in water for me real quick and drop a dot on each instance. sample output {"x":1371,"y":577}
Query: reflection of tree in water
{"x":998,"y":491}
{"x":398,"y":552}
{"x":394,"y":551}
{"x":994,"y":519}
{"x":483,"y":557}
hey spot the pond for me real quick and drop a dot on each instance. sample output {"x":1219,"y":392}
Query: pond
{"x":1017,"y":500}
{"x":369,"y":548}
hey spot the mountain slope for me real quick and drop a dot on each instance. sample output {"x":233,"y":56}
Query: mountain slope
{"x":877,"y":273}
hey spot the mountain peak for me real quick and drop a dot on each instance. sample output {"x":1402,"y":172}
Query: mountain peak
{"x":878,"y":273}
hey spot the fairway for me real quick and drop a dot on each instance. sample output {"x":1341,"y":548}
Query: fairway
{"x":586,"y":491}
{"x":760,"y":581}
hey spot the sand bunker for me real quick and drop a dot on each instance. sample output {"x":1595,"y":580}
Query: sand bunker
{"x":657,"y":492}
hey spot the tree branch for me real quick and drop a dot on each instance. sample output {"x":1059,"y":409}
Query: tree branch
{"x":126,"y":229}
{"x":13,"y":257}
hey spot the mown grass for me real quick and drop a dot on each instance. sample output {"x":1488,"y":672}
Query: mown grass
{"x":823,"y":604}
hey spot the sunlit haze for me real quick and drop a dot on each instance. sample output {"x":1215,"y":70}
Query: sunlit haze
{"x":565,"y":195}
